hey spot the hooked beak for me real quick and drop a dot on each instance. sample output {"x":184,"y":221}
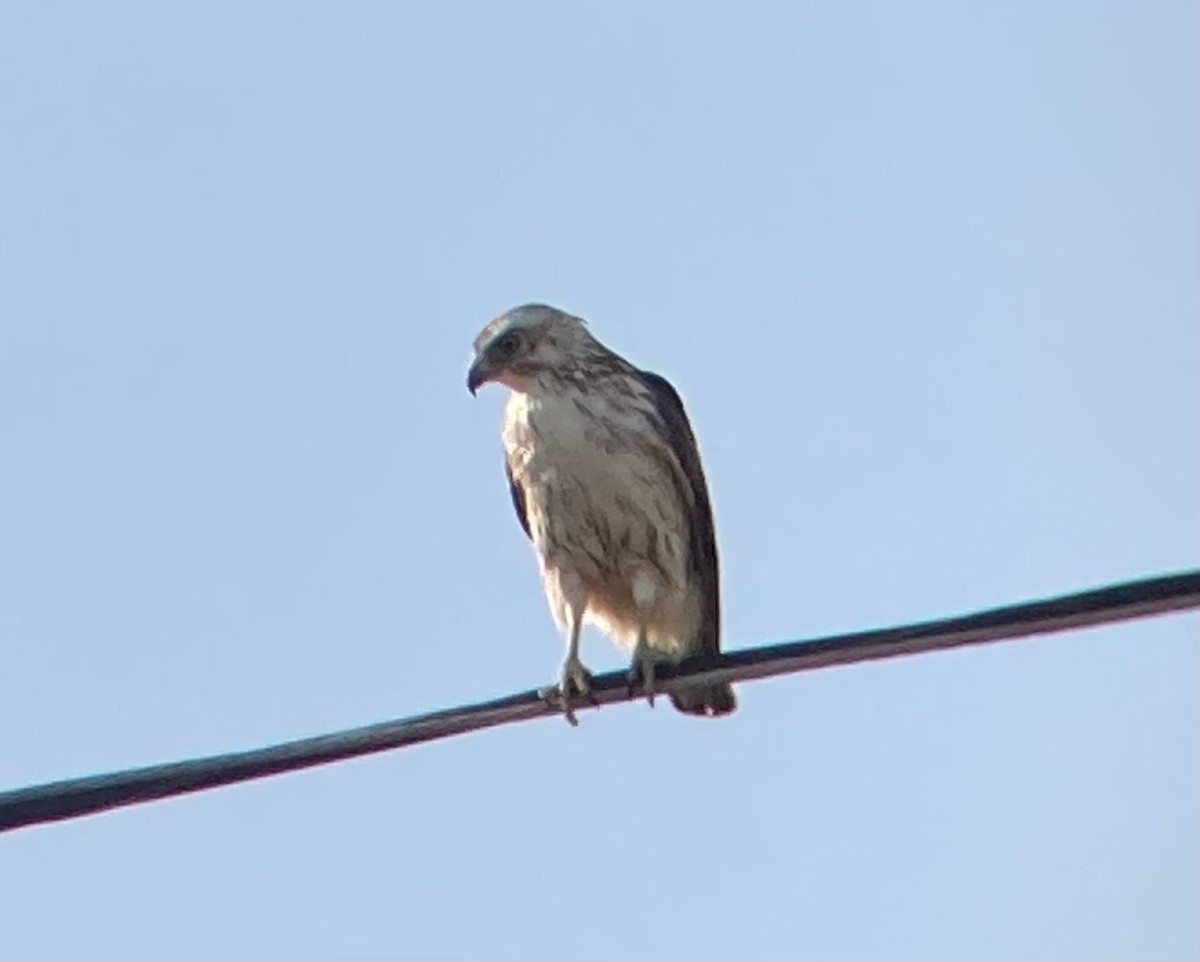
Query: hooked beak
{"x":478,"y":375}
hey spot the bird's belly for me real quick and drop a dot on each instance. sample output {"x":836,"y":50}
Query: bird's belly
{"x":614,"y":522}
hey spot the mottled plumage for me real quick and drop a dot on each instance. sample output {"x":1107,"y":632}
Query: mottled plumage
{"x":607,"y":483}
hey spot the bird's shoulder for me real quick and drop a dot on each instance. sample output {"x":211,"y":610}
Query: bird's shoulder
{"x":668,"y":405}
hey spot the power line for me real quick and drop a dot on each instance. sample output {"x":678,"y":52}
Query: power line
{"x":76,"y":797}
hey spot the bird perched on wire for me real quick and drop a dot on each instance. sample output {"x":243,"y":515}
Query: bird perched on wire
{"x":606,"y":481}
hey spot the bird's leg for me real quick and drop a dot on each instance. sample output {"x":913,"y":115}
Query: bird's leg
{"x":641,"y":671}
{"x":645,"y":594}
{"x":574,"y":681}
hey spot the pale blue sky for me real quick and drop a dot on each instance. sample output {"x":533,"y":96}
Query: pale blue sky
{"x":925,"y":274}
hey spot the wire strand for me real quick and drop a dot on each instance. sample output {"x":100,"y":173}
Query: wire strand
{"x":77,"y":797}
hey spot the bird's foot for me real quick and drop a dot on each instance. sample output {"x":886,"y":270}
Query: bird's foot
{"x":641,"y":674}
{"x":574,"y":685}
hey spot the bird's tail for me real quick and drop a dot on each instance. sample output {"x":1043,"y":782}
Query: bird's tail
{"x":709,"y":701}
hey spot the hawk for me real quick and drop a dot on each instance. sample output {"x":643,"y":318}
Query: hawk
{"x":606,"y":481}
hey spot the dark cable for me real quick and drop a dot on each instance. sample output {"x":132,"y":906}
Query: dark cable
{"x":76,"y":797}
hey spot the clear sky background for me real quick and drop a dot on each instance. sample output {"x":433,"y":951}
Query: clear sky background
{"x":926,"y":276}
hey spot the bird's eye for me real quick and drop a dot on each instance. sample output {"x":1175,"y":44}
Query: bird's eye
{"x":507,"y":345}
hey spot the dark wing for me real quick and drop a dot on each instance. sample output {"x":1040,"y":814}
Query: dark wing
{"x":518,"y":498}
{"x":702,"y":539}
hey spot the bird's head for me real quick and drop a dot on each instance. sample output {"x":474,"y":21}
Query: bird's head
{"x":527,"y":345}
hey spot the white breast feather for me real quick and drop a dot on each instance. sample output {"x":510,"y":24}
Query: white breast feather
{"x":604,"y":506}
